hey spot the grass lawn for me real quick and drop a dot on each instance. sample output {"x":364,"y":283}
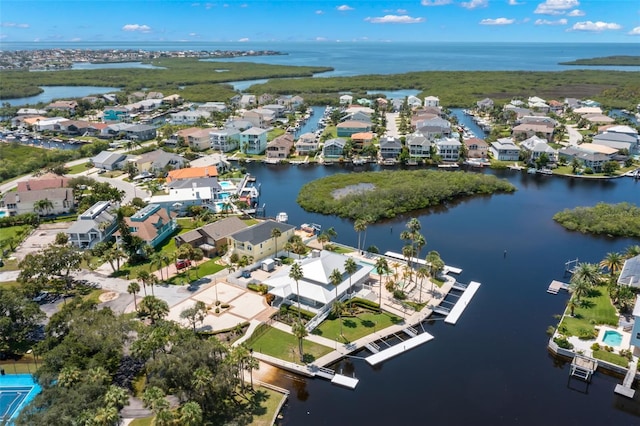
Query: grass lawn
{"x":611,"y":357}
{"x":265,"y":412}
{"x":595,"y":309}
{"x":145,"y":421}
{"x":79,"y":168}
{"x":207,"y":268}
{"x":9,"y":284}
{"x":283,"y":345}
{"x":342,"y":249}
{"x":19,"y":367}
{"x":354,"y":328}
{"x":13,"y":231}
{"x":94,"y":296}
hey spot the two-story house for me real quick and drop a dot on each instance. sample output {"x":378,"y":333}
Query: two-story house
{"x":93,"y":226}
{"x":257,"y":241}
{"x":153,"y":224}
{"x":280,"y":147}
{"x":253,"y":141}
{"x":504,"y":149}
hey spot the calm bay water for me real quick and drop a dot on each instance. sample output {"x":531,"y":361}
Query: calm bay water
{"x":494,"y":362}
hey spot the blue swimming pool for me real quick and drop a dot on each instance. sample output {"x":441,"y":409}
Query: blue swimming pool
{"x":225,"y":184}
{"x":612,"y":338}
{"x":16,"y":391}
{"x":3,"y":213}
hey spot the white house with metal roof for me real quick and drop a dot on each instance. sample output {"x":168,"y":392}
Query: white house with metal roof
{"x":93,"y":226}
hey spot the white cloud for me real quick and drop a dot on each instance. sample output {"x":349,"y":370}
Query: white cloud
{"x":319,"y":12}
{"x":514,"y":3}
{"x":243,"y":40}
{"x":546,"y":22}
{"x":394,"y":19}
{"x":576,"y":12}
{"x":321,"y":39}
{"x":635,"y":31}
{"x":13,"y":25}
{"x":76,"y":39}
{"x":556,"y":7}
{"x":435,"y":2}
{"x":401,"y":11}
{"x":474,"y":4}
{"x":193,"y":34}
{"x":344,"y":8}
{"x":137,"y":27}
{"x":497,"y":21}
{"x":595,"y":26}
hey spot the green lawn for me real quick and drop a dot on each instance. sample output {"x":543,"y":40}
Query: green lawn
{"x":19,"y":367}
{"x":611,"y":357}
{"x":283,"y":345}
{"x":145,"y":421}
{"x":342,"y":249}
{"x":265,"y":412}
{"x":596,"y":309}
{"x":79,"y":168}
{"x":354,"y":328}
{"x":13,"y":231}
{"x":207,"y":268}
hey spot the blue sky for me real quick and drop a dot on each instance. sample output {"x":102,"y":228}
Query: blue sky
{"x":321,"y":21}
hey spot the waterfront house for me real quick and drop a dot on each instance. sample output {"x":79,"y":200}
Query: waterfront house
{"x":93,"y":226}
{"x":535,"y":100}
{"x":361,"y":116}
{"x":278,"y":110}
{"x":190,"y":192}
{"x":191,"y":172}
{"x":598,"y":118}
{"x":216,"y":160}
{"x":240,"y":125}
{"x":588,"y":159}
{"x":291,"y":102}
{"x":31,"y":111}
{"x":635,"y":331}
{"x":504,"y":149}
{"x":419,"y":146}
{"x":346,"y":99}
{"x":617,"y":141}
{"x":333,"y":148}
{"x":476,"y":148}
{"x":265,"y":98}
{"x":306,"y":144}
{"x":115,"y":113}
{"x":213,"y":238}
{"x":253,"y":141}
{"x":414,"y":102}
{"x":174,"y":99}
{"x":224,"y":140}
{"x":140,"y":132}
{"x":74,"y":127}
{"x":50,"y":123}
{"x":432,"y":101}
{"x":67,"y":106}
{"x":315,"y":290}
{"x":537,"y":146}
{"x":108,"y":160}
{"x":448,"y":148}
{"x":630,"y":273}
{"x":259,"y":117}
{"x":280,"y":147}
{"x":485,"y":104}
{"x":188,"y":117}
{"x":390,"y":147}
{"x":152,"y":224}
{"x":360,"y":140}
{"x":349,"y":127}
{"x":257,"y":241}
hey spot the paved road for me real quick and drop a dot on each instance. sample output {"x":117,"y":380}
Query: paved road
{"x":392,"y":126}
{"x":574,"y":136}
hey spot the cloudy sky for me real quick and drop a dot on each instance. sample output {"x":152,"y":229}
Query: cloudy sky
{"x":321,"y":21}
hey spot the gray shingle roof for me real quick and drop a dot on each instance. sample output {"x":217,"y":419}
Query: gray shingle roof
{"x":261,"y":232}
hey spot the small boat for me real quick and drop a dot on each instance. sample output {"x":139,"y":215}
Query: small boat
{"x":282,"y":217}
{"x":532,"y":171}
{"x":359,"y":161}
{"x":545,"y":172}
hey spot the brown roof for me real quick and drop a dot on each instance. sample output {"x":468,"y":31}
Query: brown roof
{"x":526,"y":127}
{"x":147,"y":229}
{"x":475,"y":141}
{"x":363,"y":136}
{"x":215,"y":231}
{"x":43,"y":183}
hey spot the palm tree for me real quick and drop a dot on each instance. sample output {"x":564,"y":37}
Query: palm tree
{"x":143,"y":277}
{"x":43,"y":206}
{"x":422,"y":273}
{"x":157,"y":260}
{"x":350,"y":267}
{"x":382,"y":267}
{"x":613,"y":262}
{"x":336,"y":279}
{"x":106,"y":416}
{"x":154,"y":308}
{"x":288,"y":247}
{"x":134,"y":288}
{"x":322,"y":239}
{"x":275,"y":233}
{"x":359,"y":226}
{"x":337,"y":309}
{"x":632,"y":251}
{"x":409,"y":252}
{"x":579,"y":288}
{"x":587,"y":272}
{"x":196,"y":257}
{"x":116,"y":397}
{"x":572,"y":305}
{"x":191,"y":414}
{"x":299,"y":330}
{"x":296,"y":274}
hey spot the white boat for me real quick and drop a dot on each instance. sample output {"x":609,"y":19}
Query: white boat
{"x":282,"y":217}
{"x":545,"y":171}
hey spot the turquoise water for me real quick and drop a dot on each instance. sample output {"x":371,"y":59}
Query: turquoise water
{"x":3,"y":213}
{"x":612,"y":338}
{"x":225,"y":184}
{"x":16,"y":391}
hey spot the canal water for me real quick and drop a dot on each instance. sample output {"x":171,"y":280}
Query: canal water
{"x":494,"y":362}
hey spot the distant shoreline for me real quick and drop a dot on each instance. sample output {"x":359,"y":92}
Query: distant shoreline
{"x":620,"y":61}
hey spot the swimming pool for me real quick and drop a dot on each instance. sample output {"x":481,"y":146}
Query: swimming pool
{"x":225,"y":184}
{"x":3,"y":213}
{"x":612,"y":338}
{"x":16,"y":391}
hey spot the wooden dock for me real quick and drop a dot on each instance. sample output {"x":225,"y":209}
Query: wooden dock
{"x":462,"y":303}
{"x":556,"y":286}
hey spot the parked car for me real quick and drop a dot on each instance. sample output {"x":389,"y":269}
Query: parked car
{"x":183,"y":263}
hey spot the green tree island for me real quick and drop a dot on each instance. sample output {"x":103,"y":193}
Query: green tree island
{"x":382,"y":195}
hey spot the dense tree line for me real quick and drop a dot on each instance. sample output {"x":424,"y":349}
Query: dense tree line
{"x":387,"y":194}
{"x":620,"y":220}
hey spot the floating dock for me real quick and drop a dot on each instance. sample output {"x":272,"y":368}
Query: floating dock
{"x":583,"y":367}
{"x":385,"y":354}
{"x":556,"y":286}
{"x":346,"y":381}
{"x":461,"y":305}
{"x":625,"y":388}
